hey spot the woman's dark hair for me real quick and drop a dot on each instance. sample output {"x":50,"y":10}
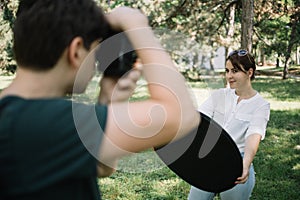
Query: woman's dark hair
{"x":242,"y":61}
{"x":44,"y":29}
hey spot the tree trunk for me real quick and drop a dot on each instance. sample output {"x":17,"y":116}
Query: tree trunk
{"x":247,"y":24}
{"x":262,"y":57}
{"x":230,"y":30}
{"x":294,"y":21}
{"x":298,"y":56}
{"x":211,"y":61}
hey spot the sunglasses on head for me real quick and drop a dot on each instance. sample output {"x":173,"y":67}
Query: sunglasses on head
{"x":241,"y":52}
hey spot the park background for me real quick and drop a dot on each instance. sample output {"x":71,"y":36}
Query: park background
{"x":199,"y":35}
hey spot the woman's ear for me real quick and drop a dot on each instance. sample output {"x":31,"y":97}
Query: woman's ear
{"x":250,"y":73}
{"x":77,"y":52}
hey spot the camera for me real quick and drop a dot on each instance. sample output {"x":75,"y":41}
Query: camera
{"x":115,"y":55}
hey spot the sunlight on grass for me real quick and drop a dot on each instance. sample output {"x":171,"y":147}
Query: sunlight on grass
{"x":166,"y":189}
{"x":297,"y":168}
{"x":277,"y":167}
{"x":277,"y":163}
{"x":143,"y":162}
{"x":277,"y":89}
{"x":277,"y":176}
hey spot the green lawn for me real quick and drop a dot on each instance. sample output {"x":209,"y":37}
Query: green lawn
{"x":277,"y":163}
{"x":278,"y":160}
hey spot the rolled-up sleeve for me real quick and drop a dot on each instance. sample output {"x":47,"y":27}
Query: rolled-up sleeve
{"x":259,"y":121}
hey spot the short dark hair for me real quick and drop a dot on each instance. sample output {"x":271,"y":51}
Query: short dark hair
{"x":242,"y":62}
{"x":44,"y":28}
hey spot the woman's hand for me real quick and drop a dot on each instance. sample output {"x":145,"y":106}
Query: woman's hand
{"x":251,"y":147}
{"x":242,"y":179}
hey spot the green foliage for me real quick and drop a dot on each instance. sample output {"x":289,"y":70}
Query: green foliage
{"x":7,"y":16}
{"x":204,"y":22}
{"x":273,"y":25}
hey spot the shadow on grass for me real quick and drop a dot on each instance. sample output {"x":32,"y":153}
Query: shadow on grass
{"x":278,"y":161}
{"x":277,"y":165}
{"x":278,"y":89}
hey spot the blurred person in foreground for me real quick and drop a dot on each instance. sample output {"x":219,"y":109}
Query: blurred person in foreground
{"x":54,"y":148}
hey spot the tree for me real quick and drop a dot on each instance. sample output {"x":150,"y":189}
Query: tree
{"x":294,"y":36}
{"x":277,"y":29}
{"x":258,"y":26}
{"x":247,"y":24}
{"x":7,"y":16}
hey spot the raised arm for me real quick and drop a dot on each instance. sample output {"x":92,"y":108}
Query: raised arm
{"x":168,"y":113}
{"x":123,"y":88}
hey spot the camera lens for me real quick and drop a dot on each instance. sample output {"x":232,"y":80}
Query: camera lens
{"x":115,"y":55}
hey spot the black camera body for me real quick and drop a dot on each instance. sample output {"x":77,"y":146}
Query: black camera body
{"x":115,"y":55}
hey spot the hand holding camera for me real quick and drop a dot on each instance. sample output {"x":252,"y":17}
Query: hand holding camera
{"x":116,"y":55}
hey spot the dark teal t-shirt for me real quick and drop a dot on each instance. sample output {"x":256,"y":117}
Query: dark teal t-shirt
{"x":48,"y":149}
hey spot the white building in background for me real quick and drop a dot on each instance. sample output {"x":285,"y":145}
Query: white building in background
{"x":219,"y":59}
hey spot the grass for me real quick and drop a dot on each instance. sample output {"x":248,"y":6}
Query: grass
{"x":155,"y":185}
{"x":278,"y":159}
{"x":278,"y":89}
{"x":277,"y":162}
{"x":277,"y":165}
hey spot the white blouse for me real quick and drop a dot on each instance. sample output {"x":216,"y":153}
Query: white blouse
{"x":249,"y":116}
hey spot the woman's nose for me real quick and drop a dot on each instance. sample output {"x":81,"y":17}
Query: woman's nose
{"x":229,"y":74}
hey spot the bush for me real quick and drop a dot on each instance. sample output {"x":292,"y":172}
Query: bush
{"x":7,"y":18}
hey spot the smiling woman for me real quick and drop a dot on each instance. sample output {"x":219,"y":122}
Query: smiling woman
{"x":244,"y":114}
{"x":241,"y":60}
{"x":240,"y":70}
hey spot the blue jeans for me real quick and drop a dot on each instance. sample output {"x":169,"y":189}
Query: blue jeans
{"x":238,"y":192}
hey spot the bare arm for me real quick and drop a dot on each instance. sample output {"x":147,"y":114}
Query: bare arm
{"x":123,"y":88}
{"x":251,"y":147}
{"x":168,"y":113}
